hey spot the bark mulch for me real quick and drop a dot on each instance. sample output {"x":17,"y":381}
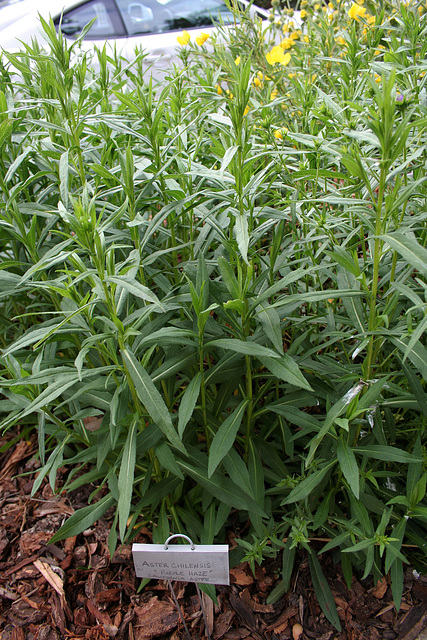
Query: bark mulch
{"x":73,"y":589}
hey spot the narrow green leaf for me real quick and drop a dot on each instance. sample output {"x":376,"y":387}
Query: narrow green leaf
{"x":414,"y":470}
{"x":242,"y":234}
{"x":256,"y":473}
{"x":229,"y":278}
{"x":417,"y":355}
{"x":288,"y":560}
{"x":225,"y":436}
{"x":151,"y":398}
{"x":285,"y":368}
{"x":323,"y":591}
{"x":349,"y":467}
{"x":126,"y":476}
{"x":386,"y":453}
{"x":188,"y":402}
{"x":396,"y":575}
{"x":5,"y":130}
{"x":238,"y":472}
{"x":334,"y":412}
{"x":63,"y":178}
{"x":135,"y":288}
{"x":415,"y":336}
{"x":83,"y":519}
{"x":219,"y":485}
{"x":243,"y":346}
{"x":167,"y":459}
{"x":409,"y":248}
{"x":270,"y":321}
{"x":228,"y":157}
{"x":306,"y":486}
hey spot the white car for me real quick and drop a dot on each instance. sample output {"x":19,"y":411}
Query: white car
{"x":152,"y":25}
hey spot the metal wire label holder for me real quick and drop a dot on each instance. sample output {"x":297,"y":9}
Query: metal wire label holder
{"x":201,"y":564}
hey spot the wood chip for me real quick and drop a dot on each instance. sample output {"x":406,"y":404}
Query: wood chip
{"x":8,"y":595}
{"x":209,"y":611}
{"x":255,"y":606}
{"x":155,"y":618}
{"x":223,"y":624}
{"x":239,"y":576}
{"x":56,"y":583}
{"x":52,"y":578}
{"x":22,"y":450}
{"x":380,"y":589}
{"x":289,"y":612}
{"x":101,"y":616}
{"x":384,"y":610}
{"x":413,"y":623}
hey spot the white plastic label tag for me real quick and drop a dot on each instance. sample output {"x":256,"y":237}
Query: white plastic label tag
{"x":206,"y":564}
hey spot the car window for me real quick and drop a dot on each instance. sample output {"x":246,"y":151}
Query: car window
{"x":152,"y":16}
{"x":139,"y":17}
{"x":107,"y":23}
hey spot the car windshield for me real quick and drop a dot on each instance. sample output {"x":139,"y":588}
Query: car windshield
{"x":152,"y":16}
{"x":121,"y":18}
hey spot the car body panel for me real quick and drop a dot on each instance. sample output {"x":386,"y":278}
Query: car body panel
{"x":19,"y":23}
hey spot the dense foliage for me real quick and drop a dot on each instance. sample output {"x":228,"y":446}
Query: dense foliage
{"x":213,"y":289}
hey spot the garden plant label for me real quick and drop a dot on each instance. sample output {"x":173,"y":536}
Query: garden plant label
{"x":206,"y":564}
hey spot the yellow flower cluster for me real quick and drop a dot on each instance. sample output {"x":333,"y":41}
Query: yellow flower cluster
{"x":287,"y":43}
{"x":258,"y":80}
{"x":278,"y":56}
{"x":201,"y":39}
{"x":278,"y":134}
{"x":356,"y":11}
{"x":184,"y":38}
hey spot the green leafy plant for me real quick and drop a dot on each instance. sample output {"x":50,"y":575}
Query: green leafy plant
{"x":212,"y":291}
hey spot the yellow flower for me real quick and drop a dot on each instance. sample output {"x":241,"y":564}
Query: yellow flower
{"x":237,"y":61}
{"x":257,"y":82}
{"x":277,"y":55}
{"x":218,"y":89}
{"x":377,"y":78}
{"x":184,"y":38}
{"x":278,"y":134}
{"x":303,"y":14}
{"x":356,"y":12}
{"x":246,"y":111}
{"x":261,"y":75}
{"x":228,"y":92}
{"x":341,"y":41}
{"x":306,"y":39}
{"x":201,"y":39}
{"x":274,"y":94}
{"x":316,"y":7}
{"x":370,"y":20}
{"x":330,"y":6}
{"x":287,"y":43}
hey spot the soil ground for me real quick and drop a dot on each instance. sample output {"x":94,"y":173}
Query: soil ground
{"x":73,"y":589}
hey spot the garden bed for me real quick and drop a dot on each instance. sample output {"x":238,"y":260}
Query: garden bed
{"x":73,"y":589}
